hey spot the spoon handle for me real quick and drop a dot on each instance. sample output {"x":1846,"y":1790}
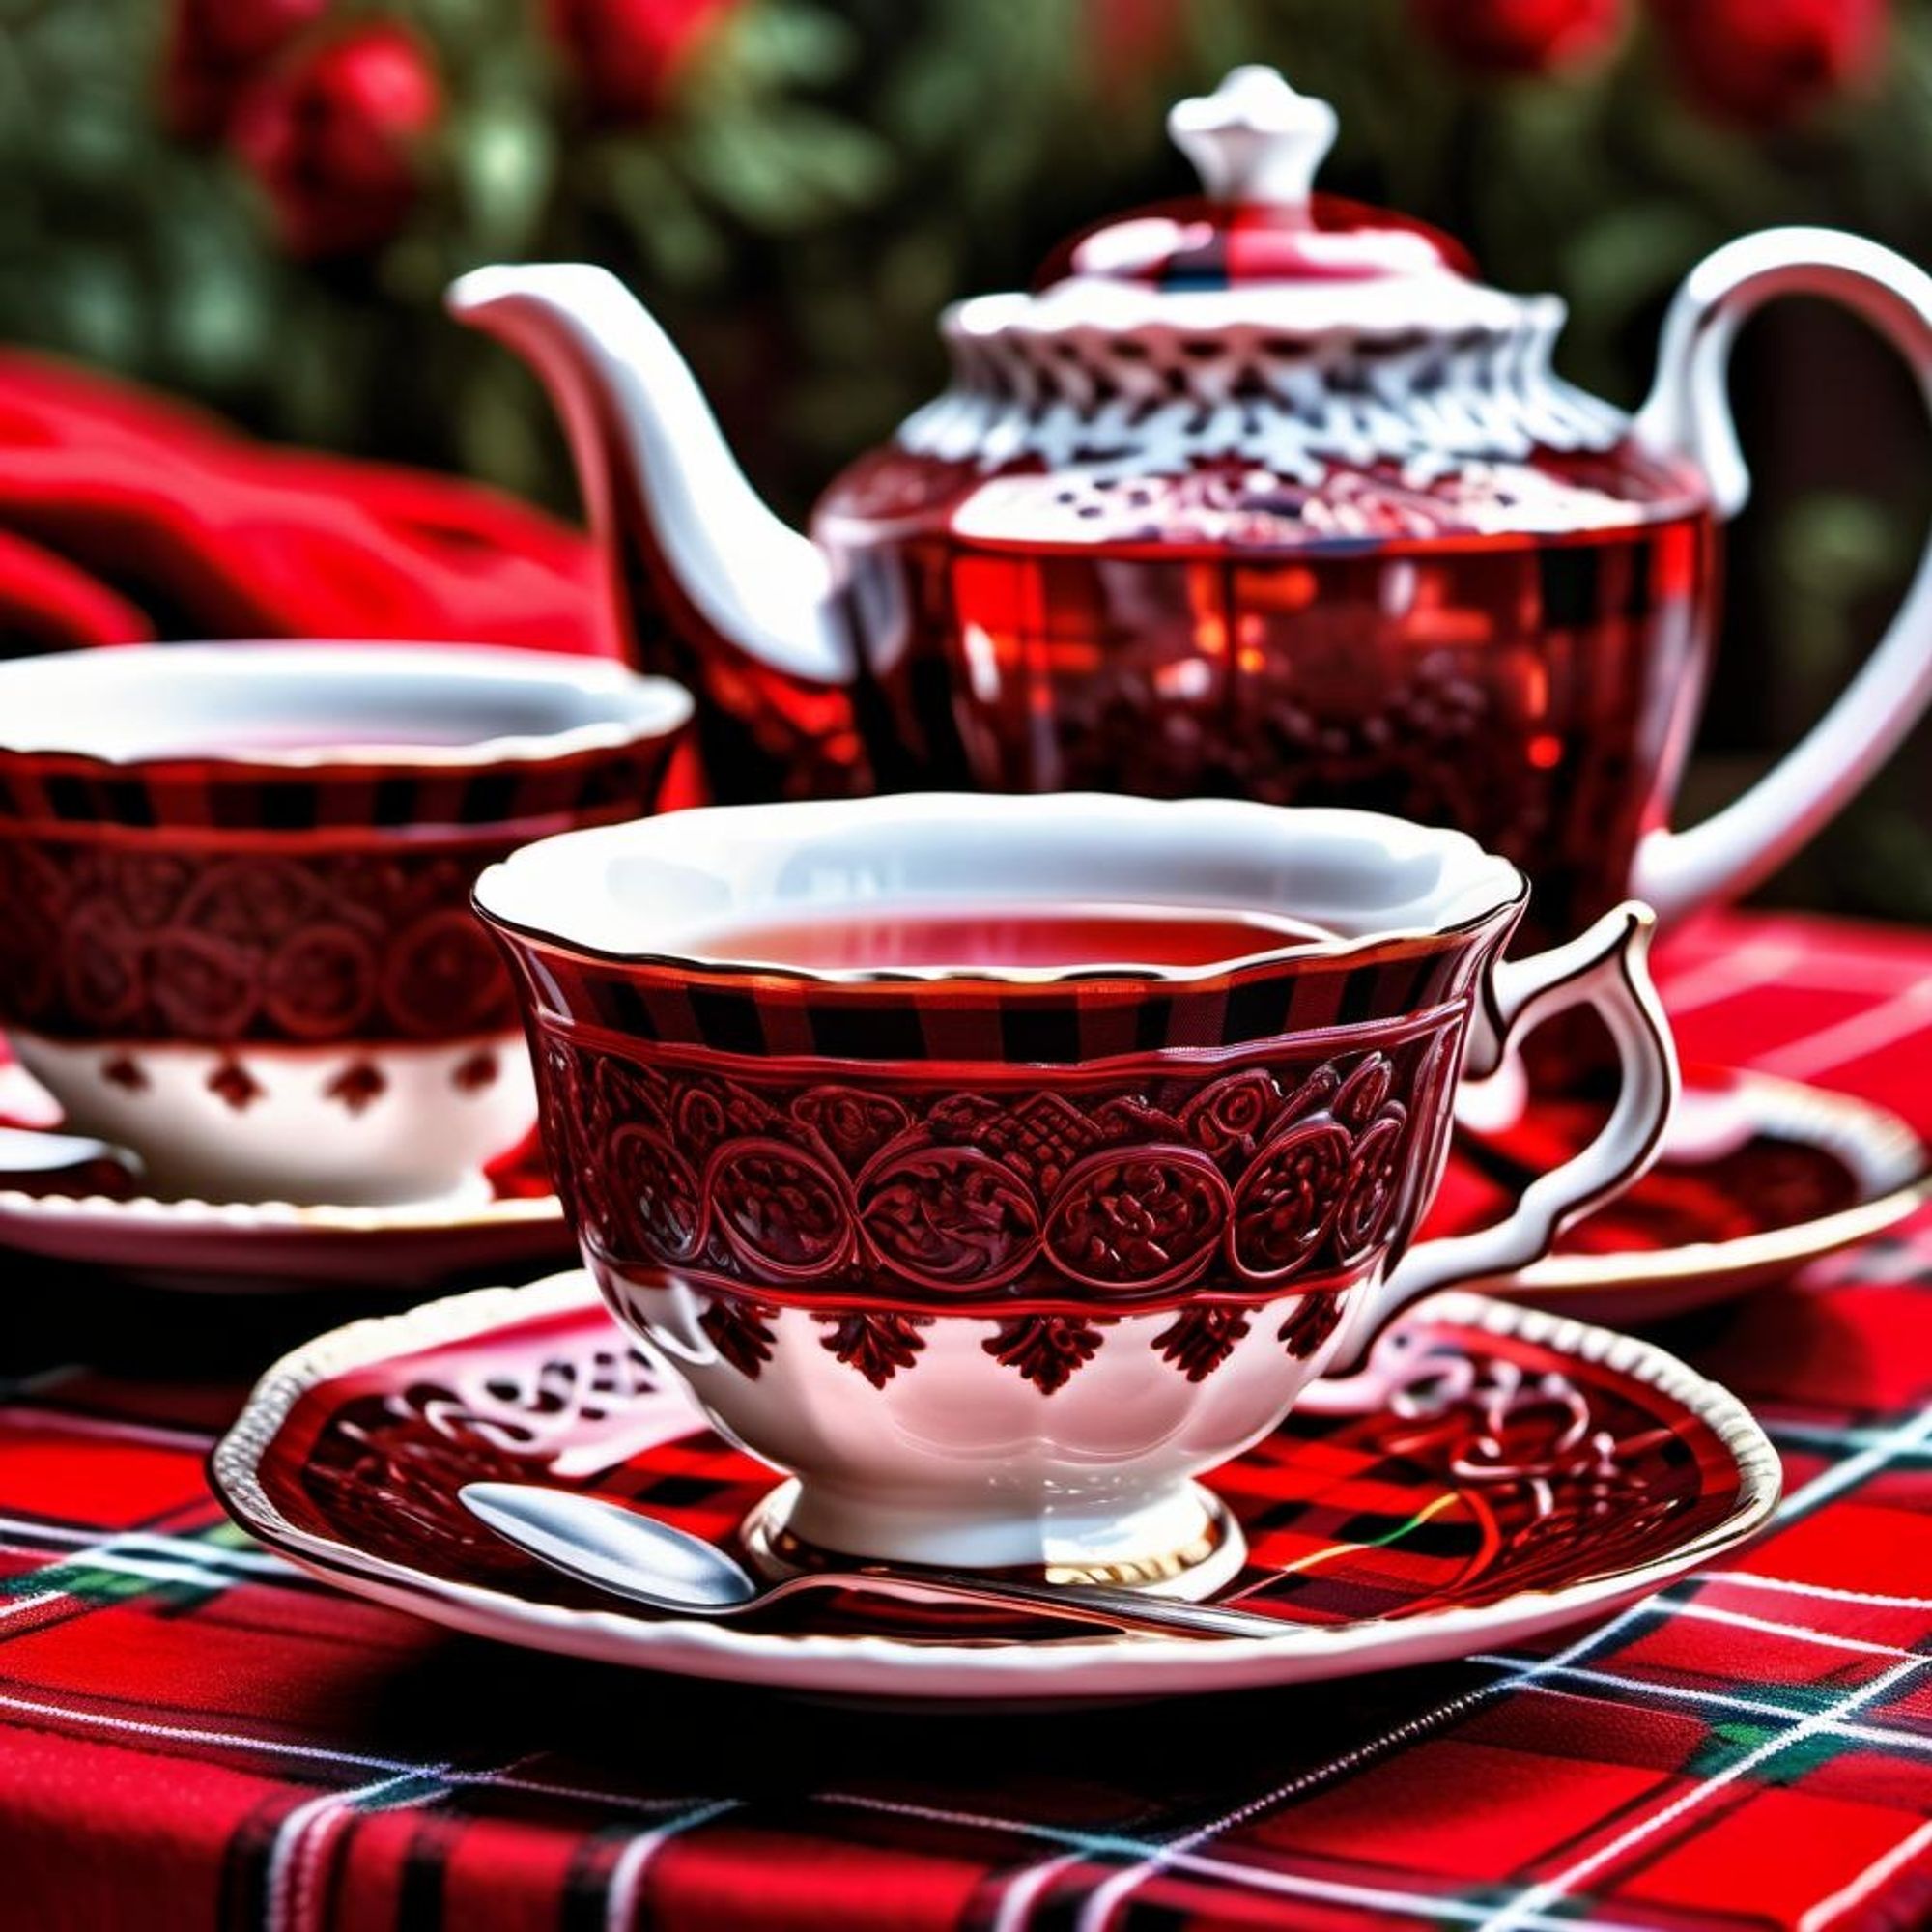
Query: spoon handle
{"x":1070,"y":1603}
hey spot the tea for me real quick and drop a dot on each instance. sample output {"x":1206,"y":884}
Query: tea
{"x":1039,"y":938}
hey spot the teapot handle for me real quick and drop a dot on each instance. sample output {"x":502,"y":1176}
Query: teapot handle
{"x":1688,"y":413}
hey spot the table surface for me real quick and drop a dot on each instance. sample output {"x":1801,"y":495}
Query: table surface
{"x":192,"y":1734}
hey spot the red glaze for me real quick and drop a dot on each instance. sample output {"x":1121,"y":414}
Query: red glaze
{"x":1355,"y":643}
{"x":1055,"y":1155}
{"x":1531,"y":1469}
{"x":217,"y":902}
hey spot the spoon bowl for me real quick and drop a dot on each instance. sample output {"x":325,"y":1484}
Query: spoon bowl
{"x":649,"y":1562}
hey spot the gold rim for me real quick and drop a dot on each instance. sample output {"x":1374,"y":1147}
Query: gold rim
{"x":1879,"y":1147}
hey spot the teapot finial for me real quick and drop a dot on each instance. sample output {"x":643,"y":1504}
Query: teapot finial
{"x":1255,"y":139}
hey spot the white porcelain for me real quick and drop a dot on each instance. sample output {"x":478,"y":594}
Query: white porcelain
{"x":425,"y":1131}
{"x":970,"y":1438}
{"x":659,"y":887}
{"x":1688,"y":412}
{"x":448,"y":706}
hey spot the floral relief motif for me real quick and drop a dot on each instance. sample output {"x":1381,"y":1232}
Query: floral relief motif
{"x":739,"y":1331}
{"x":1047,"y":1208}
{"x":1287,"y":1199}
{"x":657,"y":1191}
{"x":952,"y":1215}
{"x":232,"y":1084}
{"x":482,"y":1070}
{"x":355,"y":1089}
{"x":1311,"y":1321}
{"x":128,"y":1073}
{"x":1201,"y":1339}
{"x":877,"y":1342}
{"x":782,"y":1209}
{"x":253,"y":946}
{"x":1047,"y":1349}
{"x":1146,"y":1220}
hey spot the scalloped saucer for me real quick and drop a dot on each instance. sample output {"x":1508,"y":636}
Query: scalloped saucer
{"x":1495,"y":1471}
{"x":1758,"y":1175}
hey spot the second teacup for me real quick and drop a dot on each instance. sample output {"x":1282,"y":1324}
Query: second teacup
{"x":996,"y":1166}
{"x":234,"y":928}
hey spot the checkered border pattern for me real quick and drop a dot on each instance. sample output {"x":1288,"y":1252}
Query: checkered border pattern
{"x":1062,"y":1022}
{"x":223,"y":795}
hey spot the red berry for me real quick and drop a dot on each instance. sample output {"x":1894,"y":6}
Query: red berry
{"x":1767,"y":63}
{"x":332,"y":138}
{"x":1521,"y":37}
{"x":215,"y":49}
{"x":626,"y":54}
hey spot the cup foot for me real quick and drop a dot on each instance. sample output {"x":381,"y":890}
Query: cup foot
{"x":1198,"y":1546}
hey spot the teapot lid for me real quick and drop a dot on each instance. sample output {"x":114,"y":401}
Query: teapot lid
{"x":1259,"y":248}
{"x":1256,"y":144}
{"x":1263,"y":343}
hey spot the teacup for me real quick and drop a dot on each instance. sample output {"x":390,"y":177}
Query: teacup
{"x":236,"y":879}
{"x":995,"y":1259}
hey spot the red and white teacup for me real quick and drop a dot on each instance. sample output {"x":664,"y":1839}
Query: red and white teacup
{"x":996,"y":1166}
{"x":234,"y":923}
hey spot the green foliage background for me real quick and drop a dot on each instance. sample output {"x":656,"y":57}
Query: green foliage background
{"x":825,"y":176}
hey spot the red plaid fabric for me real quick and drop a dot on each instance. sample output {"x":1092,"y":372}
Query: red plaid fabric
{"x":191,"y":1735}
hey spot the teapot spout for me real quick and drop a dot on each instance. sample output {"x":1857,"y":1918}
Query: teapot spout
{"x":712,"y":588}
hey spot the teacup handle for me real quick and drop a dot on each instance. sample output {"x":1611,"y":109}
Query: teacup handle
{"x":1606,"y":968}
{"x":1688,"y":413}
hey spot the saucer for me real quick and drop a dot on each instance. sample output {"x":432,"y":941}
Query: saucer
{"x":1756,"y":1176}
{"x":507,"y":1218}
{"x":1511,"y":1470}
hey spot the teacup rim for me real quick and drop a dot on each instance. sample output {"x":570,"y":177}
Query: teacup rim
{"x":1508,"y":891}
{"x":662,"y":706}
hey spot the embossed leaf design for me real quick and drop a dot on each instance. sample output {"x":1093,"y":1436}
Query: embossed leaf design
{"x":1047,"y":1349}
{"x":854,"y":1124}
{"x":1288,"y":1198}
{"x":1201,"y":1339}
{"x":738,"y":1330}
{"x":876,"y":1342}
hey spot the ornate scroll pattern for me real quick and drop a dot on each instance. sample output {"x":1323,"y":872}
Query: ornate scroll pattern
{"x":1557,"y":1472}
{"x":1542,"y":1459}
{"x":393,"y":1462}
{"x":247,"y":946}
{"x":1166,"y":1182}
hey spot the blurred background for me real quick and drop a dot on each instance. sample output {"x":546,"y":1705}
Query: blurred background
{"x":255,"y":205}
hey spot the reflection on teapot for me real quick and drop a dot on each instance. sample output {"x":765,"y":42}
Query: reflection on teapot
{"x":1258,"y":493}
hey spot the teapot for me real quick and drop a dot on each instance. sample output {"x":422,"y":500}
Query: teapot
{"x":1260,"y":494}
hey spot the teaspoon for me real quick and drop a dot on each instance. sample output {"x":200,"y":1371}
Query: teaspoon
{"x":650,"y":1562}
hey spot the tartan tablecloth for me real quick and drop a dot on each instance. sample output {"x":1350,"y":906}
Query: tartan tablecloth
{"x":194,"y":1735}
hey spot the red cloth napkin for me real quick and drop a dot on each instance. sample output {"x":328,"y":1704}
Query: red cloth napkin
{"x":125,"y":518}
